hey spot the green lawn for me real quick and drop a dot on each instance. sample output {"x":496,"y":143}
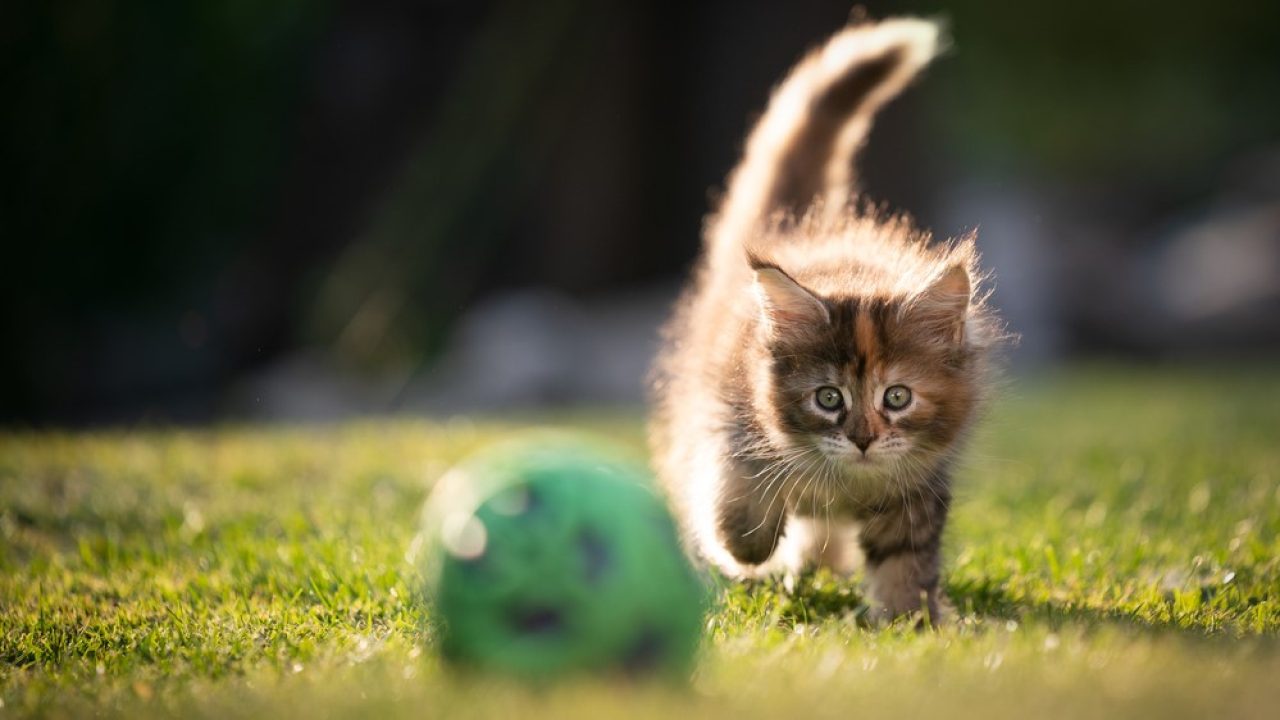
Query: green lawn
{"x":1115,"y":550}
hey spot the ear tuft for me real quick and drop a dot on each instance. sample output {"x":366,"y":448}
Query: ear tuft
{"x":942,"y":306}
{"x":952,"y":286}
{"x":784,"y":304}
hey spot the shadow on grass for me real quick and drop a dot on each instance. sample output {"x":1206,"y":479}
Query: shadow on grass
{"x":817,"y":597}
{"x":991,"y":600}
{"x":812,"y":598}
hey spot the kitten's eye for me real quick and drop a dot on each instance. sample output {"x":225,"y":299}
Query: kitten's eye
{"x":829,"y":398}
{"x":897,"y":397}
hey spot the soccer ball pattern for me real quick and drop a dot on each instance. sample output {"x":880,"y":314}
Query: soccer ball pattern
{"x":554,"y":556}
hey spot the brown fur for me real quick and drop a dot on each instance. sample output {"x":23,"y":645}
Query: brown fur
{"x":800,"y":289}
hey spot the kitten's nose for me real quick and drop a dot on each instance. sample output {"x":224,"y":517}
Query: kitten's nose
{"x":862,"y":438}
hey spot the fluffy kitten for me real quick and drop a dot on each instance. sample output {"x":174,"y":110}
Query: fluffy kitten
{"x":825,"y":362}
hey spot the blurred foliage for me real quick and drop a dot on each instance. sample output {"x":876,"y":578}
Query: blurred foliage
{"x":143,"y":142}
{"x":159,"y":248}
{"x":1133,"y":91}
{"x":433,"y":238}
{"x":144,"y":136}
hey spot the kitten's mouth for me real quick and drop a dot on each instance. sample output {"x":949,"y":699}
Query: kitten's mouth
{"x":854,"y":458}
{"x":857,"y":459}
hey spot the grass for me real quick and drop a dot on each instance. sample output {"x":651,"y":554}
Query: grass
{"x":1115,"y":551}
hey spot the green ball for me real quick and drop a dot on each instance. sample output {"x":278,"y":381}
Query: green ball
{"x":554,"y":556}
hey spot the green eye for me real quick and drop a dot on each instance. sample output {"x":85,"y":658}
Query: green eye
{"x":829,"y":398}
{"x":897,"y":397}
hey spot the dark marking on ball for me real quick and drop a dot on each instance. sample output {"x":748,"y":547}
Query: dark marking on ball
{"x":537,"y":620}
{"x":645,"y":653}
{"x":533,"y":500}
{"x":594,"y":553}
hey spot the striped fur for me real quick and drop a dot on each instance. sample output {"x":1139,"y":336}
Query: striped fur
{"x":799,"y":289}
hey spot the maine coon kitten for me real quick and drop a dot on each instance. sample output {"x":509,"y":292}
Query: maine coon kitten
{"x":825,"y":362}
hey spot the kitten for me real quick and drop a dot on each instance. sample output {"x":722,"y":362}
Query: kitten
{"x":826,"y":361}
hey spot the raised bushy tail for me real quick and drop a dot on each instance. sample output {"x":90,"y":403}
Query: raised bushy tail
{"x":802,"y":149}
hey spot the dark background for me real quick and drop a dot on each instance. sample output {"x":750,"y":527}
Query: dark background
{"x":299,"y":210}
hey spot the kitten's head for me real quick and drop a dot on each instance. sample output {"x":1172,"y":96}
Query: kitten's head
{"x":876,"y":374}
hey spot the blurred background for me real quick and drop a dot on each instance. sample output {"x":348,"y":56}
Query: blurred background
{"x":309,"y":210}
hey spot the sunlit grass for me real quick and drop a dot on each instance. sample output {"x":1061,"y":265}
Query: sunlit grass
{"x":1115,"y":550}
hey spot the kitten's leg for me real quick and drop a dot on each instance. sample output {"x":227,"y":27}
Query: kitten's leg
{"x":814,"y":542}
{"x":749,"y":520}
{"x":810,"y":542}
{"x":838,"y":549}
{"x":902,"y":547}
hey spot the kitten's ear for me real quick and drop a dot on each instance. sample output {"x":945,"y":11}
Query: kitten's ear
{"x":784,"y":304}
{"x":942,"y":306}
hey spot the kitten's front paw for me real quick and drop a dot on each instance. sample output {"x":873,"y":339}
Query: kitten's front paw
{"x":928,"y":609}
{"x":749,"y":551}
{"x":750,"y":538}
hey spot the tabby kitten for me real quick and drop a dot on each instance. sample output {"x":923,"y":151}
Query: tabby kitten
{"x":826,"y":360}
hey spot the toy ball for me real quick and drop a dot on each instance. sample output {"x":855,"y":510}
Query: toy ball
{"x":554,"y":556}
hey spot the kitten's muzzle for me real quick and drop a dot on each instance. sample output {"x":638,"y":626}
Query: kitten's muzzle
{"x":862,"y":437}
{"x":860,"y":432}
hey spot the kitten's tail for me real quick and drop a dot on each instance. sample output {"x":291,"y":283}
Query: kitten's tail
{"x":803,"y":147}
